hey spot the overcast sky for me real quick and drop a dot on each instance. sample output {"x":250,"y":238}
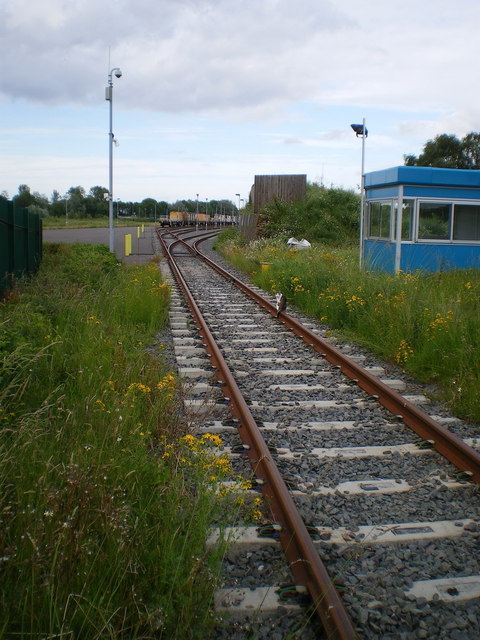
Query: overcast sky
{"x":214,"y":92}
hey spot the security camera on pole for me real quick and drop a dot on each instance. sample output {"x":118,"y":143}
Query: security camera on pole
{"x":361,"y":132}
{"x":109,"y":96}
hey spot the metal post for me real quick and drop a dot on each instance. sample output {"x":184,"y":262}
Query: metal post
{"x":362,"y":197}
{"x":238,"y":211}
{"x":398,"y":229}
{"x":109,"y":97}
{"x":361,"y":132}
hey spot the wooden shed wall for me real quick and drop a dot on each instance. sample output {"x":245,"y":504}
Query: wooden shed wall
{"x":283,"y":187}
{"x":289,"y":187}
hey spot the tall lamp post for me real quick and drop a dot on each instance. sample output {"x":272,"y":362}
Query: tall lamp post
{"x":238,"y":210}
{"x":109,"y":96}
{"x":361,"y":132}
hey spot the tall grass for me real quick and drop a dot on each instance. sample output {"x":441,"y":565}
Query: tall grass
{"x":427,"y":324}
{"x":105,"y":503}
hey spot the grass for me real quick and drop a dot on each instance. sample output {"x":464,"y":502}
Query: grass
{"x":105,"y":500}
{"x":428,"y":324}
{"x":51,"y":222}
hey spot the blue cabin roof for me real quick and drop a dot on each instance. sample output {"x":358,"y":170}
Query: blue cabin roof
{"x":431,"y":176}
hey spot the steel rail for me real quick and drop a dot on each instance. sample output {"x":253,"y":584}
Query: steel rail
{"x":304,"y":560}
{"x":450,"y":446}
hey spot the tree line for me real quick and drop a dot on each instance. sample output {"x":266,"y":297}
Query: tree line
{"x":77,"y":203}
{"x":450,"y":152}
{"x":445,"y":150}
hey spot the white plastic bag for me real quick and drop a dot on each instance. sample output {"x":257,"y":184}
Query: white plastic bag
{"x":293,"y":243}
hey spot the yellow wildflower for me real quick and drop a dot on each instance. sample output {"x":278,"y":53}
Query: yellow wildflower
{"x":213,"y":438}
{"x":138,"y":386}
{"x":404,"y":352}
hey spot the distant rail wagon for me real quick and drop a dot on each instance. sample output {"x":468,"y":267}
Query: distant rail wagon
{"x":177,"y":218}
{"x":183,"y":218}
{"x":192,"y":218}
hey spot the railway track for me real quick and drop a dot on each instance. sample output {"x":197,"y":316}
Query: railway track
{"x":380,"y":531}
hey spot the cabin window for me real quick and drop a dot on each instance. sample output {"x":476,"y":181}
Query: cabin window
{"x":434,"y":221}
{"x":407,"y":219}
{"x":380,"y":214}
{"x":466,"y":222}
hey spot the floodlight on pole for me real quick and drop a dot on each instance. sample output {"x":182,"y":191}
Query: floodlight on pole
{"x":109,"y":97}
{"x":238,"y":211}
{"x":361,"y":132}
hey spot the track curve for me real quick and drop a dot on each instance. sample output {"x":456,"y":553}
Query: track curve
{"x":388,"y":468}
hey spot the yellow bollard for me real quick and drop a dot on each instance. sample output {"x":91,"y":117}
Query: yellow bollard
{"x":265,"y":265}
{"x":128,"y":244}
{"x":143,"y":228}
{"x":138,"y":232}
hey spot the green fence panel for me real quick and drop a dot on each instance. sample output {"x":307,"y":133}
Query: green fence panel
{"x":6,"y":244}
{"x":20,"y":243}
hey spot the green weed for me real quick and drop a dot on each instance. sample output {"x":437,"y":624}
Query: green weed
{"x":104,"y":507}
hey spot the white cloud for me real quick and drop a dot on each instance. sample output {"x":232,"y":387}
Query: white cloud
{"x":234,"y":82}
{"x":248,"y":57}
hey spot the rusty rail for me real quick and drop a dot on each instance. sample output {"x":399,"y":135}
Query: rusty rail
{"x":304,"y":561}
{"x":450,"y":446}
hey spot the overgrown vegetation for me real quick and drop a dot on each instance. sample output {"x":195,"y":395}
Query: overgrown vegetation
{"x":427,"y":324}
{"x":105,"y":501}
{"x":325,"y":215}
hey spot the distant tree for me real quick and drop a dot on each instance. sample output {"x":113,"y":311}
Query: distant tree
{"x":59,"y":208}
{"x":162,"y":208}
{"x":471,"y":147}
{"x":147,"y":208}
{"x":121,"y":208}
{"x":41,"y":200}
{"x":96,"y":202}
{"x":188,"y":205}
{"x":99,"y":193}
{"x":94,"y":208}
{"x":40,"y":205}
{"x":4,"y":195}
{"x":35,"y":202}
{"x":225,"y":206}
{"x":43,"y":212}
{"x":24,"y":198}
{"x":448,"y":151}
{"x":76,"y":202}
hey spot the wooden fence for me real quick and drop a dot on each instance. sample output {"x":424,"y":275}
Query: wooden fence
{"x":265,"y":190}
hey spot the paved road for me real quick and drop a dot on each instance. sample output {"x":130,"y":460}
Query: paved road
{"x":142,"y":248}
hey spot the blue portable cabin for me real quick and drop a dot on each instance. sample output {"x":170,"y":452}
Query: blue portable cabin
{"x":421,"y":218}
